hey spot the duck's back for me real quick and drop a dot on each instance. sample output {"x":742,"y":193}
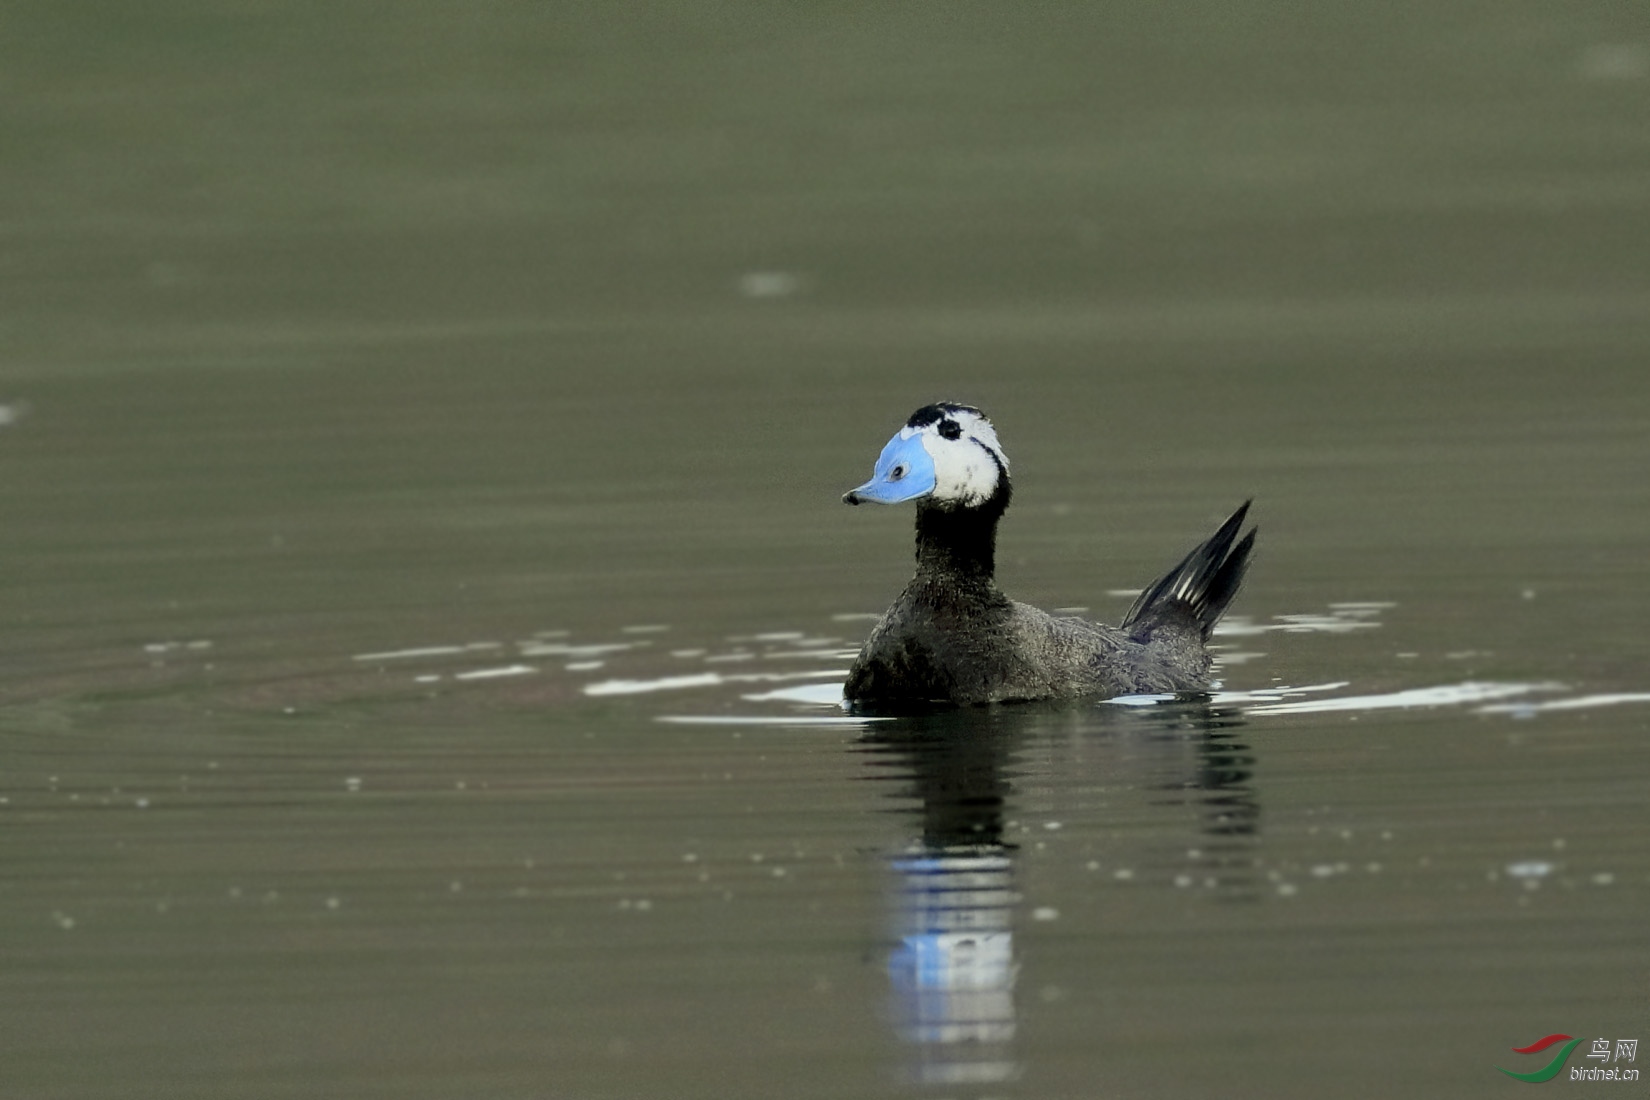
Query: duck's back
{"x":939,"y":645}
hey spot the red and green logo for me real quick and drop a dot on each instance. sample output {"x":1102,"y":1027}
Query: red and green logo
{"x":1551,"y":1069}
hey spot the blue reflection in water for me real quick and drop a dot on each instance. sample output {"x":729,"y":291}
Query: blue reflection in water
{"x":953,"y":971}
{"x":953,"y":968}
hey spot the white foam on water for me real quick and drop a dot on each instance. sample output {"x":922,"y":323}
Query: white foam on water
{"x":1342,"y":618}
{"x":662,"y":683}
{"x":824,"y":695}
{"x":408,"y":654}
{"x":576,"y":652}
{"x":795,"y":654}
{"x":764,"y":720}
{"x":1259,"y":695}
{"x":1441,"y":695}
{"x":1277,"y":694}
{"x":1139,"y":700}
{"x":703,"y":679}
{"x":496,"y":673}
{"x":1579,"y":702}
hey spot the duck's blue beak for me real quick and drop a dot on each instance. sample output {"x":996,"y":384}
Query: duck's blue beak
{"x":905,"y":471}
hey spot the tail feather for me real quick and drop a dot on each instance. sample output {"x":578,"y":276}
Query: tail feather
{"x":1201,"y":586}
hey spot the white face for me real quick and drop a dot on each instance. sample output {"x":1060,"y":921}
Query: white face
{"x":966,"y":469}
{"x":945,"y":453}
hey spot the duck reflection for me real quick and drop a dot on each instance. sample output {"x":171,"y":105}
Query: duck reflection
{"x":954,"y":965}
{"x":953,"y":969}
{"x":1217,"y":789}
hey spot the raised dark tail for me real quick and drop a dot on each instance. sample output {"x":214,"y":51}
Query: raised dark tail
{"x":1201,"y":586}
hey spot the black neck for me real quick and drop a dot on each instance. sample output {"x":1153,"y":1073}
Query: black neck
{"x":960,"y":544}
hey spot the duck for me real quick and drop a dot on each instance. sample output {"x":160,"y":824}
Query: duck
{"x":953,"y":639}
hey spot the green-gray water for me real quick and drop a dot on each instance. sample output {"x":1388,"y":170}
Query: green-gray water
{"x":421,"y":436}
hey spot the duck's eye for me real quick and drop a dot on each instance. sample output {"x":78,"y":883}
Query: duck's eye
{"x":950,"y":429}
{"x":897,"y":472}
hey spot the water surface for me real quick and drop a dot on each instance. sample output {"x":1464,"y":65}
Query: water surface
{"x":424,"y":582}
